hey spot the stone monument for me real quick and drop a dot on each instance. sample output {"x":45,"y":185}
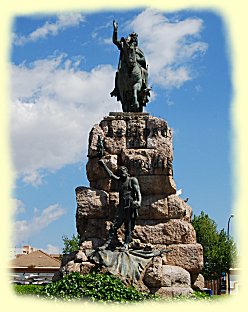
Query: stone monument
{"x":157,"y":249}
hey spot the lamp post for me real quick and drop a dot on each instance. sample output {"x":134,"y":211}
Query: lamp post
{"x":228,"y":224}
{"x":228,"y":236}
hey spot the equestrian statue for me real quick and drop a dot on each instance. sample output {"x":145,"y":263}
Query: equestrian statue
{"x":131,"y":80}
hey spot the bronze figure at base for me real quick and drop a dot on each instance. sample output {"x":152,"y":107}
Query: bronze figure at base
{"x":129,"y":203}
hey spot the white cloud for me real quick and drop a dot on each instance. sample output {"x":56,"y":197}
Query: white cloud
{"x":25,"y":229}
{"x":50,"y":29}
{"x":33,"y":177}
{"x":97,"y":33}
{"x":108,"y":41}
{"x":54,"y":106}
{"x":169,"y":47}
{"x":17,"y":206}
{"x":50,"y":249}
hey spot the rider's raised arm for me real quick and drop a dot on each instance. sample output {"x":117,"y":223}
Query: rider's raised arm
{"x":115,"y":35}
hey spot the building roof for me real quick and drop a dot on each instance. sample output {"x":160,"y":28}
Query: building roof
{"x":55,"y":256}
{"x":35,"y":259}
{"x":234,"y":269}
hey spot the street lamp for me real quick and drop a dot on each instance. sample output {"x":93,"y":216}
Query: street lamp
{"x":228,"y":236}
{"x":228,"y":224}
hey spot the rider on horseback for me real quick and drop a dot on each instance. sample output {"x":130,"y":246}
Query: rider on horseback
{"x":132,"y":39}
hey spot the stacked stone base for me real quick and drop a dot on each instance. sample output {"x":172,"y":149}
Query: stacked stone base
{"x":144,"y":145}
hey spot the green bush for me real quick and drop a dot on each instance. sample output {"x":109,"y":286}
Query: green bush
{"x":94,"y":286}
{"x":28,"y":289}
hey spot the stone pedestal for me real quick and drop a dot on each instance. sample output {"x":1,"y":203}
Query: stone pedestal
{"x":143,"y":144}
{"x":139,"y":142}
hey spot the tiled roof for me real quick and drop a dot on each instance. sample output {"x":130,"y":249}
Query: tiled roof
{"x":36,"y":259}
{"x":56,"y":256}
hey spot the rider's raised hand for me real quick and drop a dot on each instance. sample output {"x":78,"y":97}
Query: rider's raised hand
{"x":115,"y":24}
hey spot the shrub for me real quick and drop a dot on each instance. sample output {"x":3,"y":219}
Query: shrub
{"x":94,"y":286}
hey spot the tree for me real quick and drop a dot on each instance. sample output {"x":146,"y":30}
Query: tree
{"x":219,"y":251}
{"x":70,"y":244}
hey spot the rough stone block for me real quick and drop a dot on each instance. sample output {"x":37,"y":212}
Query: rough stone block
{"x":93,"y":138}
{"x":71,"y":266}
{"x":177,"y":208}
{"x":86,"y":267}
{"x":146,"y":161}
{"x":154,"y":273}
{"x":176,"y":275}
{"x":96,"y":174}
{"x":157,"y":184}
{"x":160,"y":135}
{"x":158,"y":275}
{"x":174,"y":291}
{"x":187,"y":256}
{"x":197,"y":281}
{"x":92,"y":203}
{"x":80,"y":257}
{"x":173,"y":231}
{"x":94,"y":228}
{"x":155,"y":207}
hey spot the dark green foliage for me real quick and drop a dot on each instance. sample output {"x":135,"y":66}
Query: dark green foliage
{"x":94,"y":286}
{"x":219,"y":252}
{"x":70,"y":244}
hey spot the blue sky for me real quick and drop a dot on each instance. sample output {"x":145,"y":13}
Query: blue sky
{"x":63,"y":69}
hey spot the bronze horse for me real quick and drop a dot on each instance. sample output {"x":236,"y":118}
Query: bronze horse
{"x":131,"y":80}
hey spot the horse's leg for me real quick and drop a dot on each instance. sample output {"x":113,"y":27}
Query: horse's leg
{"x":124,"y":102}
{"x":122,"y":92}
{"x":136,"y":89}
{"x":135,"y":95}
{"x":140,"y":97}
